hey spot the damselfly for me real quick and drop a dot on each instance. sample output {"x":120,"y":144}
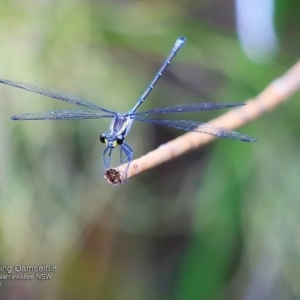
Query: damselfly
{"x":121,"y":122}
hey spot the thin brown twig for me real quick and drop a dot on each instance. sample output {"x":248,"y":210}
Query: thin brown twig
{"x":276,"y":92}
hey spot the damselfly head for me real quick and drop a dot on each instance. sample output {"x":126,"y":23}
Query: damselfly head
{"x":111,"y":140}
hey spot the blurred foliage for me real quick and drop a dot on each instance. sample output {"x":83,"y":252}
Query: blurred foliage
{"x":218,"y":223}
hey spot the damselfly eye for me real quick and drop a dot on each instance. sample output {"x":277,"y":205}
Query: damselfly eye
{"x":102,"y":138}
{"x":120,"y":139}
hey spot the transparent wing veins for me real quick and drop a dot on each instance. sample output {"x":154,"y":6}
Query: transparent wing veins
{"x":199,"y":127}
{"x":188,"y":108}
{"x":61,"y":115}
{"x":53,"y":94}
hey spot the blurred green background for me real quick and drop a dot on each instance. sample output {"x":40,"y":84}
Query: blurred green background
{"x":221,"y":222}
